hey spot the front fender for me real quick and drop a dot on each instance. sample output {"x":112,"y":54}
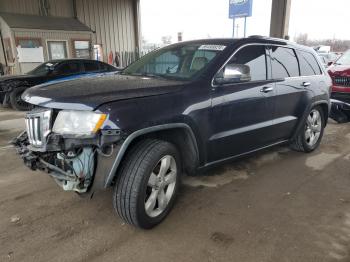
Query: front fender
{"x":123,"y":148}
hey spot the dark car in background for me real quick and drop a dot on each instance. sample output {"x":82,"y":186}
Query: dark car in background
{"x":340,"y":74}
{"x":12,"y":86}
{"x":179,"y":109}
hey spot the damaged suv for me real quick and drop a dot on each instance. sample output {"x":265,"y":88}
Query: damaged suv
{"x":179,"y":109}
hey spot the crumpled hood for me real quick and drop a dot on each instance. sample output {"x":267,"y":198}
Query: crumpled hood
{"x":89,"y":93}
{"x":339,"y":70}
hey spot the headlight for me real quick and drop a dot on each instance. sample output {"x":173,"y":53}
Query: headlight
{"x":69,"y":122}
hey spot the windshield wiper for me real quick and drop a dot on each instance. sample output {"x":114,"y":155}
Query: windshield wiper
{"x":144,"y":74}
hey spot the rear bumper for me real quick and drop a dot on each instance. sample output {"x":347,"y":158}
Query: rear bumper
{"x":341,"y":96}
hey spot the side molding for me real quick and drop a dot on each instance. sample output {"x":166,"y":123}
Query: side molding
{"x":144,"y":131}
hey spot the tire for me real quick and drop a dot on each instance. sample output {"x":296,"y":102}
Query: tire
{"x":143,"y":183}
{"x":16,"y":101}
{"x":303,"y":141}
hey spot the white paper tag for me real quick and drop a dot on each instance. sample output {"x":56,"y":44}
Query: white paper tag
{"x":212,"y":47}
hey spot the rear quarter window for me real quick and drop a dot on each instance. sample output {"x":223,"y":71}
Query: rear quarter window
{"x":308,"y":64}
{"x":284,"y":62}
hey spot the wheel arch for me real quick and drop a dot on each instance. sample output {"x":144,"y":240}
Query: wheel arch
{"x":169,"y":132}
{"x":324,"y":104}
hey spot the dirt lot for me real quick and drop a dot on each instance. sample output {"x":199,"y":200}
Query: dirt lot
{"x":278,"y":206}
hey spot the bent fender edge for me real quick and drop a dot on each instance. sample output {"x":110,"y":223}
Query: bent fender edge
{"x":144,"y":131}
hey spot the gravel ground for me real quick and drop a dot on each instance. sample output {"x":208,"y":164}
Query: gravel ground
{"x":277,"y":205}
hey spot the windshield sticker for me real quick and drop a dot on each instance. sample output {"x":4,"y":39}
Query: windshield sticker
{"x":49,"y":64}
{"x":212,"y":47}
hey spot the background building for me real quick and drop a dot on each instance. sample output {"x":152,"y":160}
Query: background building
{"x":33,"y":31}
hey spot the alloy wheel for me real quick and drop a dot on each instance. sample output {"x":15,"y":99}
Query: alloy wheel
{"x":313,"y":127}
{"x":161,"y":186}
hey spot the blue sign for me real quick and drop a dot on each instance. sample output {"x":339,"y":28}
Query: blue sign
{"x":240,"y":8}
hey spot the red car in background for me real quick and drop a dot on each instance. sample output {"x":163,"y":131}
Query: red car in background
{"x":340,"y":74}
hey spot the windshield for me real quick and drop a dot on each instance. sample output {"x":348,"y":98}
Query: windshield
{"x":344,"y":59}
{"x":42,"y":69}
{"x":182,"y":62}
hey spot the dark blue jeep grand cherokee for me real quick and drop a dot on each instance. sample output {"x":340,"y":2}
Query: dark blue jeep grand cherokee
{"x":176,"y":110}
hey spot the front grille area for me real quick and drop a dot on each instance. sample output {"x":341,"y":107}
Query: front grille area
{"x":342,"y":81}
{"x":38,"y":126}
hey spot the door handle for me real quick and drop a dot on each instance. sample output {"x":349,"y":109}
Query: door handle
{"x":306,"y":84}
{"x":266,"y":89}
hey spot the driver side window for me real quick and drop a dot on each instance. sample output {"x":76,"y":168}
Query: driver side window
{"x":255,"y":58}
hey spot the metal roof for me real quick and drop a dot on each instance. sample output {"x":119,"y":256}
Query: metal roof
{"x":43,"y":22}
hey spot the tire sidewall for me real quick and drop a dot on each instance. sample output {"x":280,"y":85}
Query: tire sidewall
{"x":144,"y":220}
{"x":306,"y":146}
{"x":18,"y":91}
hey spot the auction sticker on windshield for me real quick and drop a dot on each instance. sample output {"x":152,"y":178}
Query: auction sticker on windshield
{"x":212,"y":47}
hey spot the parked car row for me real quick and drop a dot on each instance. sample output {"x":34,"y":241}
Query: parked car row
{"x":179,"y":109}
{"x":13,"y":86}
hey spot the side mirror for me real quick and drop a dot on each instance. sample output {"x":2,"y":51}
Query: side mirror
{"x":330,"y":63}
{"x":233,"y":73}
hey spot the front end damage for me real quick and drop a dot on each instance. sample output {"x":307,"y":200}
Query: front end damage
{"x":72,"y":161}
{"x":340,"y":111}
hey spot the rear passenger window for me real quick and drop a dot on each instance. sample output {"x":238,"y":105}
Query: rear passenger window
{"x":91,"y":66}
{"x":68,"y":68}
{"x":255,"y":58}
{"x":308,"y":64}
{"x":284,"y":62}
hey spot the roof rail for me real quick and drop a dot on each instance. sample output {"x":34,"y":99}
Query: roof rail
{"x":269,"y":38}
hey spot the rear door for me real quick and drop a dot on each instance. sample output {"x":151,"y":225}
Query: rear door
{"x":310,"y":71}
{"x":291,"y":94}
{"x":242,"y":113}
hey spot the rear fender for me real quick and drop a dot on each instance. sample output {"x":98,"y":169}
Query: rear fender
{"x":300,"y":126}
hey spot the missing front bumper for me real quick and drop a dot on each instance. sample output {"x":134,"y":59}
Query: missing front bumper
{"x":73,"y":168}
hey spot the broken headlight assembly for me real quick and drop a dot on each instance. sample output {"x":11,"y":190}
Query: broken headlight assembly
{"x":78,"y":123}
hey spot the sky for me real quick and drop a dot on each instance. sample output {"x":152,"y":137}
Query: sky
{"x":320,"y":19}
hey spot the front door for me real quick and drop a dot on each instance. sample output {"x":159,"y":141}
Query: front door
{"x":242,"y":113}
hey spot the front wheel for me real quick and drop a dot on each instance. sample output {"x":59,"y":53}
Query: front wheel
{"x":16,"y":100}
{"x":309,"y":137}
{"x":147,"y":183}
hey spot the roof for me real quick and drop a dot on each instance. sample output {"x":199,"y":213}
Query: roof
{"x":43,"y":22}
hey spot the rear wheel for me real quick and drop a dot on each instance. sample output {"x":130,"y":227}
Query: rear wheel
{"x":309,"y":137}
{"x":16,"y":100}
{"x":147,"y":184}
